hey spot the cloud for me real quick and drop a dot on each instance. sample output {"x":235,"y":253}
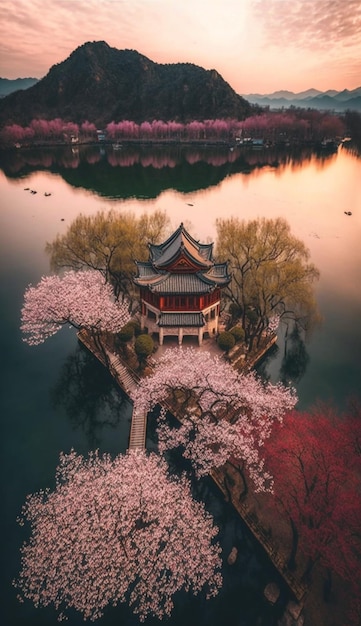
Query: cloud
{"x":310,"y":23}
{"x":257,"y":41}
{"x":46,"y":31}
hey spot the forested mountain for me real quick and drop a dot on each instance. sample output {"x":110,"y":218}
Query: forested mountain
{"x":101,"y":84}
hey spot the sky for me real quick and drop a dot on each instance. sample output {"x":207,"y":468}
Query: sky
{"x":258,"y":46}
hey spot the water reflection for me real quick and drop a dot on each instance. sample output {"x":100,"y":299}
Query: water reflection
{"x":87,"y":392}
{"x":291,"y":353}
{"x":310,"y":190}
{"x":295,"y":357}
{"x":152,"y":169}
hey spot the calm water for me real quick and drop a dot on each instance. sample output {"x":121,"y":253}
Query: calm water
{"x":54,"y":397}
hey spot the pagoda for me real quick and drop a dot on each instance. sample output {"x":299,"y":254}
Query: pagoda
{"x":180,"y":288}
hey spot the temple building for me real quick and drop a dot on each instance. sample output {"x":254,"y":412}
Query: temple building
{"x":180,"y":288}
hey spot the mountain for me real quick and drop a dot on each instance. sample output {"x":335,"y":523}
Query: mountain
{"x":101,"y":84}
{"x":289,"y":95}
{"x":8,"y":86}
{"x":330,"y":100}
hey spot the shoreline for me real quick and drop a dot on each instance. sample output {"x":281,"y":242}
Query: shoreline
{"x":229,"y":144}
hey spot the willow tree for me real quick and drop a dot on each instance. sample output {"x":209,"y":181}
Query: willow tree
{"x":271,"y":274}
{"x":108,"y":242}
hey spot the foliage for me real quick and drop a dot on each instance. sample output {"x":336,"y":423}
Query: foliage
{"x":271,"y":273}
{"x":144,"y":346}
{"x":136,"y":327}
{"x":235,"y":312}
{"x":126,"y":333}
{"x":226,"y":341}
{"x":109,"y":243}
{"x":117,"y":530}
{"x":274,"y":128}
{"x":80,"y":299}
{"x":223,"y":413}
{"x":353,"y":124}
{"x":238,"y":333}
{"x":293,"y":124}
{"x":315,"y":460}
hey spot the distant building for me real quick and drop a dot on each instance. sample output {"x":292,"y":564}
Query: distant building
{"x":101,"y":135}
{"x":180,"y":288}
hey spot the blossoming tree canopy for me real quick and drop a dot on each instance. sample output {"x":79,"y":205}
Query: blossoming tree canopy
{"x":81,"y":299}
{"x":316,"y":467}
{"x":223,"y":413}
{"x":117,"y":530}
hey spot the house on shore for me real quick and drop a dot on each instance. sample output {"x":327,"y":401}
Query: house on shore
{"x":180,"y":288}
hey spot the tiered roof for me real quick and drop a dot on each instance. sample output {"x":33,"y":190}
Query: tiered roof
{"x":181,"y":265}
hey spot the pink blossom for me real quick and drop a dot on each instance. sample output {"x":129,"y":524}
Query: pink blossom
{"x":81,"y":299}
{"x":117,"y":530}
{"x":225,"y":413}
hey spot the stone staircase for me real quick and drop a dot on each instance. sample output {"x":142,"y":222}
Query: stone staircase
{"x":127,"y":380}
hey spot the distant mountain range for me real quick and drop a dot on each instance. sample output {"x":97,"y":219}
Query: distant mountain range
{"x":8,"y":85}
{"x":101,"y":84}
{"x":330,"y":100}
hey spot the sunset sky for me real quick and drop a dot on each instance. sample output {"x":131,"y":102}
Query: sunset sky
{"x":256,"y":45}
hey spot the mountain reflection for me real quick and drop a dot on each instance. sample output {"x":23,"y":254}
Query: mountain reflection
{"x":146,"y":171}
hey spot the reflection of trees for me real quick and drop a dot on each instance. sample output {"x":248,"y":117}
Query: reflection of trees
{"x":146,"y":171}
{"x":263,"y":365}
{"x":89,"y":395}
{"x":295,"y":359}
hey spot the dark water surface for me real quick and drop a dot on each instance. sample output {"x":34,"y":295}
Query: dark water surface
{"x":55,"y":397}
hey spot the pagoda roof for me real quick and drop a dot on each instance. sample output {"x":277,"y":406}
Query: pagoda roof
{"x":181,"y":244}
{"x":181,"y":319}
{"x":179,"y":283}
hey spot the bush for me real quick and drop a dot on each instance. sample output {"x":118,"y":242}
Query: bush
{"x":143,"y":347}
{"x":238,"y":333}
{"x":126,"y":334}
{"x":252,"y":316}
{"x":235,"y":311}
{"x":136,"y":327}
{"x":226,"y":341}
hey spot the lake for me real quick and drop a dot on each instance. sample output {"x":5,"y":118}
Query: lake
{"x":55,"y":396}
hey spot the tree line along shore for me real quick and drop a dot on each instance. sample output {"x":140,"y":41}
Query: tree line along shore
{"x":291,"y":126}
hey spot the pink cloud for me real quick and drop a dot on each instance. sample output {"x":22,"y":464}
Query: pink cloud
{"x":310,"y":23}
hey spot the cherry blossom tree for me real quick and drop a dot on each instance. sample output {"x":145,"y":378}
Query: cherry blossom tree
{"x":145,"y":130}
{"x":223,"y":413}
{"x":117,"y":530}
{"x":81,"y":299}
{"x":176,"y":129}
{"x":195,"y":130}
{"x":12,"y":133}
{"x":315,"y":461}
{"x":88,"y":129}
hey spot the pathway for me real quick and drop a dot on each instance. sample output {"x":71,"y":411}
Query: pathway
{"x":127,"y":380}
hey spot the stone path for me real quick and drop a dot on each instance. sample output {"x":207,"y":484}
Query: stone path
{"x":127,"y":380}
